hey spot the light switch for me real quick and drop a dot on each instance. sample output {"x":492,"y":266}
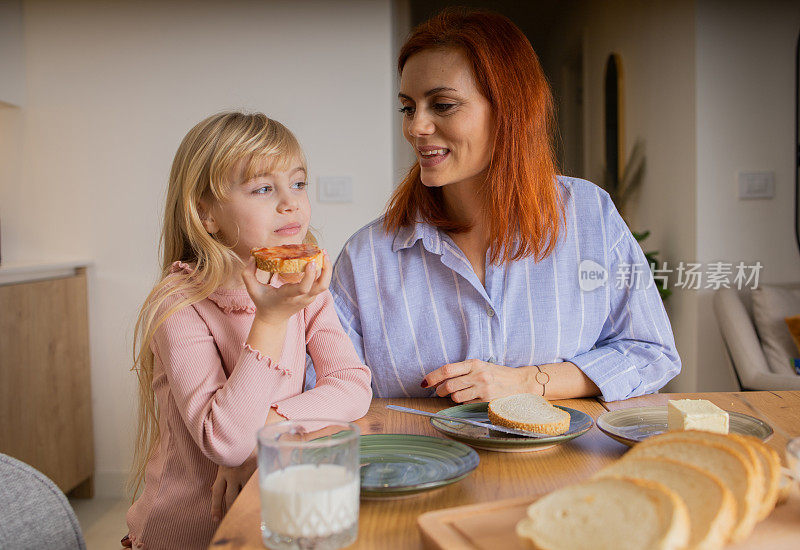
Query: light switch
{"x":335,"y":189}
{"x":756,"y":185}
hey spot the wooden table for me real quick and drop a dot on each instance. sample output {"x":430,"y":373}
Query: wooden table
{"x":391,"y":523}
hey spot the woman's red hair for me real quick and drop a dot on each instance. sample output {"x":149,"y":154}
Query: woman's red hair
{"x":521,"y":199}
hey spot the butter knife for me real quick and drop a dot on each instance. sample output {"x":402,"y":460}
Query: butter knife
{"x":488,"y":425}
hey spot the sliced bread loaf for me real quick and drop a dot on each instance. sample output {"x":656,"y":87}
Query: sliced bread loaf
{"x":611,"y":513}
{"x":771,"y":463}
{"x":712,"y":510}
{"x":732,"y":441}
{"x":527,"y":411}
{"x":730,"y":466}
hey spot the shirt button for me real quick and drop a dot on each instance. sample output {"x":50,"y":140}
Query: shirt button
{"x":489,"y":312}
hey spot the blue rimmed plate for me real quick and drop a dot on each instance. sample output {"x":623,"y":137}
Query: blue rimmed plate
{"x":399,"y":464}
{"x":483,"y":438}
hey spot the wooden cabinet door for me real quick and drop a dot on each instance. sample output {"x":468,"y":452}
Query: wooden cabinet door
{"x":45,"y":378}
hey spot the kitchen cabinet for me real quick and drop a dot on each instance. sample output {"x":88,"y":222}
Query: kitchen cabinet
{"x":45,"y":376}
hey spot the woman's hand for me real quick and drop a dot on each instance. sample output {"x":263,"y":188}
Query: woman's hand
{"x":230,"y":481}
{"x":472,"y":381}
{"x":275,"y":305}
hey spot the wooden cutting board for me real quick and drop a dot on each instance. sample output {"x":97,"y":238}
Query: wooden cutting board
{"x":490,"y":526}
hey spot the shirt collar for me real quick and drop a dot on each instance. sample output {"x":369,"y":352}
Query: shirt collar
{"x":408,"y":235}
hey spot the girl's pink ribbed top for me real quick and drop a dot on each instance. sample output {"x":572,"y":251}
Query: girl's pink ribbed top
{"x":214,"y":393}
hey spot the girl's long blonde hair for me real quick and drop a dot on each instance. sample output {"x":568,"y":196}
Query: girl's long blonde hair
{"x":203,"y":168}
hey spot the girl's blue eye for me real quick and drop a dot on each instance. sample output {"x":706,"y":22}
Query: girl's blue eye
{"x":263,"y":190}
{"x":300,"y":185}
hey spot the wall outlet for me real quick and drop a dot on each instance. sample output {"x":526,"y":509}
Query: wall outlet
{"x":335,"y":189}
{"x":756,"y":185}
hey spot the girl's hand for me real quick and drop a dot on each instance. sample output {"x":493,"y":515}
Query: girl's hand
{"x":473,"y":381}
{"x":228,"y":485}
{"x":230,"y":481}
{"x":276,"y":305}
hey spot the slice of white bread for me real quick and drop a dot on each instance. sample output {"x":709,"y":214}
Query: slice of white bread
{"x":732,"y":468}
{"x":527,"y":411}
{"x":765,"y":461}
{"x":732,"y":441}
{"x":712,"y":510}
{"x":771,"y":463}
{"x":611,"y":513}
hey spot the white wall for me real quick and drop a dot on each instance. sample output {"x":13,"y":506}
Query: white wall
{"x":655,"y":41}
{"x":403,"y":154}
{"x":745,"y":121}
{"x":112,"y":88}
{"x":12,"y":70}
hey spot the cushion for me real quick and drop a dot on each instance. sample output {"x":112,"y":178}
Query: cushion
{"x":771,"y":305}
{"x":34,"y":513}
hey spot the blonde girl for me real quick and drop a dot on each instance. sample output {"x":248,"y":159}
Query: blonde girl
{"x":218,"y":352}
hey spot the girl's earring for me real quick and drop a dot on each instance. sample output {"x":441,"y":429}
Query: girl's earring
{"x":238,"y":234}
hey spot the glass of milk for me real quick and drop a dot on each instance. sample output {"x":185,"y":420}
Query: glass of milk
{"x":308,"y":472}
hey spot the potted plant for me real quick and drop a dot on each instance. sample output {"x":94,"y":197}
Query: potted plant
{"x":621,"y":188}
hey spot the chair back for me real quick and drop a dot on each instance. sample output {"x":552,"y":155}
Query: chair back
{"x":746,"y":296}
{"x":34,"y":513}
{"x":734,"y":312}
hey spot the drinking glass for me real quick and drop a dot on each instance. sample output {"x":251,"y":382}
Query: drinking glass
{"x":308,"y":473}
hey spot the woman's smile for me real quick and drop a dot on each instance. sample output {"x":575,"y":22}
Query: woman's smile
{"x":430,"y":156}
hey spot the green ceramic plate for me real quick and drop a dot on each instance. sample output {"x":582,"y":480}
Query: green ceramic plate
{"x":397,"y":464}
{"x":630,"y":426}
{"x":481,"y":438}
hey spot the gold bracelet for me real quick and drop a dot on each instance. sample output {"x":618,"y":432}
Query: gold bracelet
{"x":546,"y":378}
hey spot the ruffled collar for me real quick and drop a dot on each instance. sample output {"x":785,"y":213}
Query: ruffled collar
{"x":229,"y":300}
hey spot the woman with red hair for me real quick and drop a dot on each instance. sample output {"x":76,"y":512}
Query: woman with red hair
{"x":489,"y":274}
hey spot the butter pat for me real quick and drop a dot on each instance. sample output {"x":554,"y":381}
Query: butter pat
{"x":696,"y":414}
